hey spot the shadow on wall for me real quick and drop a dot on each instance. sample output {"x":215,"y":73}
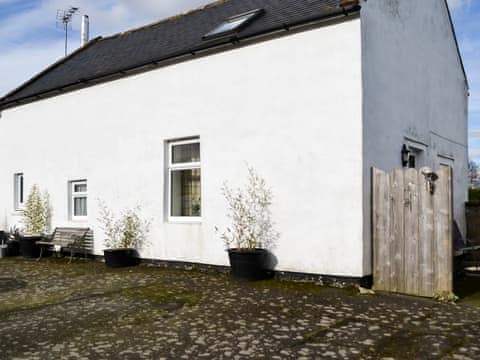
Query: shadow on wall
{"x":271,"y":261}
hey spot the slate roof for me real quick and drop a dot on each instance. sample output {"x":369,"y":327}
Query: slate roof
{"x":168,"y":39}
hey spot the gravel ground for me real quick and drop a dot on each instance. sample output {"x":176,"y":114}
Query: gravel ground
{"x":55,"y":310}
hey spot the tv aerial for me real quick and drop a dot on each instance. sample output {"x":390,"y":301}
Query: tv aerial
{"x":64,"y":19}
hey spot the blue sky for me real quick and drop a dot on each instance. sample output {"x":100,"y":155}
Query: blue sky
{"x":466,"y":16}
{"x":30,"y":40}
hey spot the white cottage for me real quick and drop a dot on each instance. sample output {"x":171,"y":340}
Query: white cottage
{"x":312,"y":93}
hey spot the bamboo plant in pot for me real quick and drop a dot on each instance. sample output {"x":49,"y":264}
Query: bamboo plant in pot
{"x":251,"y":234}
{"x":124,"y":236}
{"x":36,"y":219}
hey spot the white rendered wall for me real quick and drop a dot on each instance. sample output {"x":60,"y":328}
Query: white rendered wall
{"x":291,"y":107}
{"x":413,"y":88}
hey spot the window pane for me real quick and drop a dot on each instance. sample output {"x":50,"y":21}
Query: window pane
{"x":185,"y":193}
{"x":233,"y":24}
{"x":80,"y":188}
{"x":21,"y":189}
{"x":80,"y":206}
{"x":228,"y":26}
{"x":186,"y":153}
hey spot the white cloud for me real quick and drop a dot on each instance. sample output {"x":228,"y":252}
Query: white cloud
{"x":474,"y":135}
{"x":474,"y":154}
{"x":21,"y":63}
{"x":456,"y":4}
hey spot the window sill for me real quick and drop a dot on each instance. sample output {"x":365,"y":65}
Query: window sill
{"x":79,"y":220}
{"x":184,"y":220}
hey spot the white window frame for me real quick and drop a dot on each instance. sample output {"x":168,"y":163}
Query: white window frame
{"x":77,"y":194}
{"x":19,"y":191}
{"x":182,"y":166}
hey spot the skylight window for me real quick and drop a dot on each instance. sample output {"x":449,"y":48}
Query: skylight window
{"x":233,"y":24}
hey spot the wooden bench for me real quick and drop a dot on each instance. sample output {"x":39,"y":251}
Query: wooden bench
{"x":73,"y":239}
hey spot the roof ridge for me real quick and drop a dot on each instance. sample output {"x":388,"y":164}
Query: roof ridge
{"x":167,"y":19}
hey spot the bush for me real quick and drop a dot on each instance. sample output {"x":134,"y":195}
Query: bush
{"x":249,"y":212}
{"x":37,"y":215}
{"x":127,"y":231}
{"x":474,"y":195}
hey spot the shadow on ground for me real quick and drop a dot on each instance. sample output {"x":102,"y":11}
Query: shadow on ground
{"x":467,"y":288}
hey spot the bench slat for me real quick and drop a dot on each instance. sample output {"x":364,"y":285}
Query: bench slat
{"x":70,"y":237}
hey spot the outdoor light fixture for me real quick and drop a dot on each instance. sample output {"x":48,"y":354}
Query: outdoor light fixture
{"x":405,"y":155}
{"x":430,"y":178}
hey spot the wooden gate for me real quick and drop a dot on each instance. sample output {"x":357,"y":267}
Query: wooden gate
{"x":412,"y":231}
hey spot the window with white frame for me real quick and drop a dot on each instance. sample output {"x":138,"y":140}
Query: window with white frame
{"x":18,"y":191}
{"x":78,"y":200}
{"x":184,"y":180}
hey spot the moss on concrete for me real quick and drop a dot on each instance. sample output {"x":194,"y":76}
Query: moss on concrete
{"x":160,"y":295}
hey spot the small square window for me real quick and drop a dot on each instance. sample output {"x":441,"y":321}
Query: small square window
{"x":186,"y":153}
{"x":19,"y":192}
{"x":82,"y":187}
{"x":78,"y":200}
{"x":184,"y":181}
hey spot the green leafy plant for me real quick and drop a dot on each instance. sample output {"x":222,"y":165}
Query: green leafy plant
{"x":37,"y":215}
{"x":249,"y":211}
{"x":129,"y":230}
{"x":474,"y":195}
{"x":446,"y":297}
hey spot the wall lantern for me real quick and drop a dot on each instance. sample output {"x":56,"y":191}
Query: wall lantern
{"x":405,"y":155}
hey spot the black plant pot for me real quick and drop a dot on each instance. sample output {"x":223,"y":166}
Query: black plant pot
{"x":13,"y":248}
{"x":248,"y":264}
{"x":28,"y":246}
{"x":117,"y":258}
{"x":3,"y":244}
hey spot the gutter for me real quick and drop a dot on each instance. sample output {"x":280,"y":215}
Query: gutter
{"x":348,"y":8}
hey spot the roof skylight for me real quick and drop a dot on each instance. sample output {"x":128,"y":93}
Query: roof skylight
{"x":233,"y":24}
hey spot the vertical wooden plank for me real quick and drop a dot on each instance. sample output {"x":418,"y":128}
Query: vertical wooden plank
{"x":411,"y":270}
{"x":396,"y":239}
{"x":425,"y":223}
{"x":376,"y":232}
{"x":380,"y":228}
{"x":443,"y":230}
{"x":387,"y":228}
{"x":449,"y":239}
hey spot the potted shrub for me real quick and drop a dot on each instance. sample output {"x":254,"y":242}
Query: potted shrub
{"x":36,"y":219}
{"x":251,"y":233}
{"x":124,"y":236}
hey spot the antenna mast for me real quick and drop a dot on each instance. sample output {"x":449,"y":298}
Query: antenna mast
{"x":64,"y":18}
